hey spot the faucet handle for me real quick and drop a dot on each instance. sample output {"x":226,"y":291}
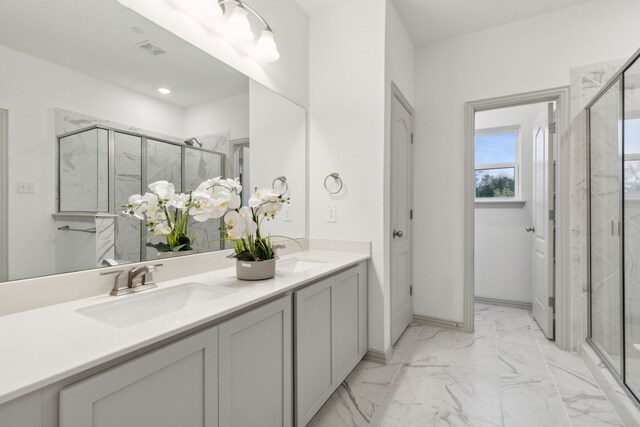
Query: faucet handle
{"x":121,"y":280}
{"x":154,"y":267}
{"x":147,"y":278}
{"x":118,"y":272}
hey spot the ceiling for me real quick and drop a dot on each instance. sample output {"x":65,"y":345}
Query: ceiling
{"x":96,"y":38}
{"x":431,"y":20}
{"x":311,"y":7}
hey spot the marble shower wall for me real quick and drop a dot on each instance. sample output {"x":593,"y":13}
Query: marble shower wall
{"x":84,"y":182}
{"x":585,"y":84}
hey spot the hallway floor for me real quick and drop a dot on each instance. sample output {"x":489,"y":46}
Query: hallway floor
{"x":505,"y":374}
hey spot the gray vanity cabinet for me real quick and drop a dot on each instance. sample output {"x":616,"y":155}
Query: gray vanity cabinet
{"x":256,"y":367}
{"x":176,"y":385}
{"x":331,"y":337}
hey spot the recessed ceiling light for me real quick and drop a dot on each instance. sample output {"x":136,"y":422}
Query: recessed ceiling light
{"x":164,"y":91}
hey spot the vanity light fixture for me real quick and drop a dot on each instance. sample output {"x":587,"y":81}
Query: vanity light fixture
{"x":239,"y":28}
{"x":164,"y":90}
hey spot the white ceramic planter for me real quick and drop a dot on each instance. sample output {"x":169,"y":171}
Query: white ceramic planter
{"x":256,"y":270}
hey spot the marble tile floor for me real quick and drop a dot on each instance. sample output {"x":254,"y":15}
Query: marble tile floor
{"x":505,"y":374}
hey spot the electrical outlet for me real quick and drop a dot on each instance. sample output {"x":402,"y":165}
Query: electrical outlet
{"x":331,"y":213}
{"x":288,"y":214}
{"x":25,"y":187}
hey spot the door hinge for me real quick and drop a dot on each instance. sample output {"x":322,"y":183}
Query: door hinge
{"x":552,"y":302}
{"x":410,"y":290}
{"x":552,"y":127}
{"x":552,"y":215}
{"x":412,"y":138}
{"x":411,"y":214}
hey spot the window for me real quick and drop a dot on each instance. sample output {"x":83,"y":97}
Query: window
{"x":496,"y":170}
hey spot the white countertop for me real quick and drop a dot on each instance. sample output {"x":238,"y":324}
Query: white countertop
{"x":42,"y":346}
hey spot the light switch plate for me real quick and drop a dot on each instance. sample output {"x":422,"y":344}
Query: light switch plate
{"x":25,"y":187}
{"x":288,"y":214}
{"x":331,"y":213}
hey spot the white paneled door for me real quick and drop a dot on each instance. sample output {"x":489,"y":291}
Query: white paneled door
{"x":543,"y":222}
{"x":401,"y":190}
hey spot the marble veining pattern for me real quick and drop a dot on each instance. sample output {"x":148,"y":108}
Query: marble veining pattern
{"x":505,"y":374}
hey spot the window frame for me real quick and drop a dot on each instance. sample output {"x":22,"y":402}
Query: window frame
{"x":505,"y":165}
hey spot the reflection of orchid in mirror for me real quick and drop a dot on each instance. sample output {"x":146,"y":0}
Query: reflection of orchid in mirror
{"x":165,"y":213}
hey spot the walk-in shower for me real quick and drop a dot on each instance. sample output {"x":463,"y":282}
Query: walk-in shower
{"x":100,"y":167}
{"x":614,"y":224}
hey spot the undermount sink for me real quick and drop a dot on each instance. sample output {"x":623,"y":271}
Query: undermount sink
{"x":298,"y":265}
{"x":130,"y":310}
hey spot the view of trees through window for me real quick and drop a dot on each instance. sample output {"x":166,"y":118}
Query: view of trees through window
{"x":495,"y":171}
{"x":490,"y":184}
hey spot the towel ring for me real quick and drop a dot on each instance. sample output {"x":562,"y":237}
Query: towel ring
{"x":337,"y":178}
{"x":283,"y":180}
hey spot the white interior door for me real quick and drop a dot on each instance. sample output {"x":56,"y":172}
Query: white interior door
{"x":543,"y":222}
{"x":401,"y":182}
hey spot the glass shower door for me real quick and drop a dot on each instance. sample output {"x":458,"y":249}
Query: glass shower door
{"x":605,"y":216}
{"x":631,"y":227}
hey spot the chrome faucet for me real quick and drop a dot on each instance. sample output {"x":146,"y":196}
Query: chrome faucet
{"x":133,"y":280}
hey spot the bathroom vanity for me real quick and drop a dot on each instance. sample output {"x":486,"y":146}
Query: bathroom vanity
{"x":230,"y":346}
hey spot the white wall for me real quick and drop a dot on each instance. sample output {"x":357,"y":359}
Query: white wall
{"x":524,"y":56}
{"x":30,"y":89}
{"x":288,"y":76}
{"x":503,"y":248}
{"x":346,"y":135}
{"x":278,"y":148}
{"x":221,"y":115}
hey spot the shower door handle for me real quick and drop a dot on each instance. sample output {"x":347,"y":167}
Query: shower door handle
{"x":616,"y":229}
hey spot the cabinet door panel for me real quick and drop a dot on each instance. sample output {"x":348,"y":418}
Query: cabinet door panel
{"x":256,"y":367}
{"x":175,"y":386}
{"x":25,"y":411}
{"x":363,"y":304}
{"x":314,"y":350}
{"x":346,"y":323}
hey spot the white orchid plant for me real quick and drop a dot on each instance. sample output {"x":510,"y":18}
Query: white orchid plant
{"x":166,"y":213}
{"x":217,"y":197}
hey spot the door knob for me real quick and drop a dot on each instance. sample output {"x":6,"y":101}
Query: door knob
{"x":397,"y":233}
{"x":530,"y":229}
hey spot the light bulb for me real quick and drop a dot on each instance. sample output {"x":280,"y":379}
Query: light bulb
{"x":238,"y":25}
{"x":266,"y":49}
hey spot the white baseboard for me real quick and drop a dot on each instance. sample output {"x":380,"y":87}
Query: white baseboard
{"x":435,"y":321}
{"x":378,"y":356}
{"x":505,"y":302}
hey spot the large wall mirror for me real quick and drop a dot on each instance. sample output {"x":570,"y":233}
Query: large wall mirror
{"x":88,"y":127}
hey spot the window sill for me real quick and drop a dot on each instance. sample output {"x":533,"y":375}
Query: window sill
{"x":500,"y":203}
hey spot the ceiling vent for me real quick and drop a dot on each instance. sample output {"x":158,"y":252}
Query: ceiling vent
{"x":151,"y":48}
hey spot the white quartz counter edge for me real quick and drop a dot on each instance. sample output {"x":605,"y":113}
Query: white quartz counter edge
{"x":40,"y":347}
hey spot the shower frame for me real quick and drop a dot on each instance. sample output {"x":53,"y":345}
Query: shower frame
{"x":617,"y":78}
{"x":111,"y":171}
